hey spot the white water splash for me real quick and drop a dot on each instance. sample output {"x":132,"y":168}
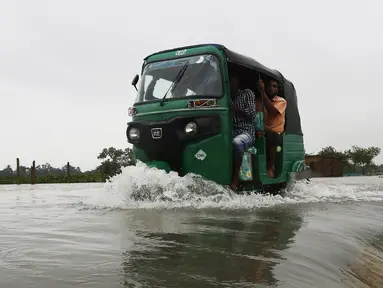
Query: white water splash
{"x":140,"y":187}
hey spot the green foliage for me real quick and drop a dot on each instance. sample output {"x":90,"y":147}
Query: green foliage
{"x":77,"y":178}
{"x":7,"y":171}
{"x":330,"y":151}
{"x":362,"y":157}
{"x":356,"y":159}
{"x":113,"y":161}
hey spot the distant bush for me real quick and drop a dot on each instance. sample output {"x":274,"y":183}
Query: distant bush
{"x":76,"y":178}
{"x":113,"y":160}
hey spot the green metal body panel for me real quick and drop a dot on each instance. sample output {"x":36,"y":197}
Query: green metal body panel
{"x":185,"y":53}
{"x":292,"y":150}
{"x":159,"y":165}
{"x":214,"y":167}
{"x":217,"y":164}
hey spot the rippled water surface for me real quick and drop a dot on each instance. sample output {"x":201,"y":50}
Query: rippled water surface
{"x":148,"y":229}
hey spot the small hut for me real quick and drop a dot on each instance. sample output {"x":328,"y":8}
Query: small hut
{"x":325,"y":166}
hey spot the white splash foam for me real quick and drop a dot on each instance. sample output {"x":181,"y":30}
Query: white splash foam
{"x":140,"y":187}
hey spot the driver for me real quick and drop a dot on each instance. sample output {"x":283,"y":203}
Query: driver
{"x":181,"y":89}
{"x":177,"y":91}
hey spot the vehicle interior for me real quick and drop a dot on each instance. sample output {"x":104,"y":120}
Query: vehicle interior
{"x":157,"y":81}
{"x":249,"y":78}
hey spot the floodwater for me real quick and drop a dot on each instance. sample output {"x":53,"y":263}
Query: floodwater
{"x":148,"y":229}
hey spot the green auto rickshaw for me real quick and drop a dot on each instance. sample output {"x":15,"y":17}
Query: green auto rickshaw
{"x":182,"y":118}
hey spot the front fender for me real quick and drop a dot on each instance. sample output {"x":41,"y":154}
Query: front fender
{"x":162,"y":165}
{"x":300,"y":170}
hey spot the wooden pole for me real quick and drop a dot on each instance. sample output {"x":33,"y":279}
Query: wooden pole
{"x":67,"y":169}
{"x":18,"y":171}
{"x":33,"y":173}
{"x":17,"y":167}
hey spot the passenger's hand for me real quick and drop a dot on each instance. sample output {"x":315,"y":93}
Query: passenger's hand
{"x":261,"y":85}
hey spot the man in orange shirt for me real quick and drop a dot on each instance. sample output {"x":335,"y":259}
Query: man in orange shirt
{"x":274,"y":120}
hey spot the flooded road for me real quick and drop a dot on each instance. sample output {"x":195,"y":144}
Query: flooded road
{"x":328,"y":233}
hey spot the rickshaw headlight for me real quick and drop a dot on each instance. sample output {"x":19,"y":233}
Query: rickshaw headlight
{"x":134,"y":134}
{"x":191,"y":128}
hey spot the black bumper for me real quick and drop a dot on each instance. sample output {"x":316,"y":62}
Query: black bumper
{"x":165,"y":140}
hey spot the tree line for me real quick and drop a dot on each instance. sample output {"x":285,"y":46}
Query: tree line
{"x":112,"y":162}
{"x":356,"y":159}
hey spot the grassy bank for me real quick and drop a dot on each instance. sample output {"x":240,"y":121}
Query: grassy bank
{"x":75,"y":178}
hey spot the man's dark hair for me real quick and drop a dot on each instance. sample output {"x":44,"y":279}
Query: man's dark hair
{"x":279,"y":85}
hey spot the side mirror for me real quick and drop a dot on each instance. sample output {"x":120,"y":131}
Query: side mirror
{"x":135,"y":81}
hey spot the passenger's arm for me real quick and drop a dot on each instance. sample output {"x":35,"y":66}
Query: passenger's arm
{"x":269,"y":106}
{"x":266,"y":101}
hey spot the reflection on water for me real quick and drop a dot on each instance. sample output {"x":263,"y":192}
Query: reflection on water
{"x":367,"y":268}
{"x":238,"y":249}
{"x":327,"y":234}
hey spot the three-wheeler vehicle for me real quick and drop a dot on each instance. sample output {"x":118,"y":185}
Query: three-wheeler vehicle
{"x":182,"y":118}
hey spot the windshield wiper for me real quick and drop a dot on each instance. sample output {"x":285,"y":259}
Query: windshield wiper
{"x":174,"y":84}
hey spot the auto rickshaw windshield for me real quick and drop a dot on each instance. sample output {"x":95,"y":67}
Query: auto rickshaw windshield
{"x":202,"y":77}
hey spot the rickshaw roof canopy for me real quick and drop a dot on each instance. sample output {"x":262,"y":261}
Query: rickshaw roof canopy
{"x":293,"y":123}
{"x":234,"y":57}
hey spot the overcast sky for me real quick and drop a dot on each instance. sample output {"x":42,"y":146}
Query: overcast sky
{"x":66,"y":67}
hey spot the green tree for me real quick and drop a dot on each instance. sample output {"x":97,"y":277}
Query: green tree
{"x":362,"y":156}
{"x":25,"y":171}
{"x":72,"y":170}
{"x":114,"y":159}
{"x":330,"y":151}
{"x":7,"y":171}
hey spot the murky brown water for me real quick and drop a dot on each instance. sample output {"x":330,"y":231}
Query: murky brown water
{"x":327,"y":234}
